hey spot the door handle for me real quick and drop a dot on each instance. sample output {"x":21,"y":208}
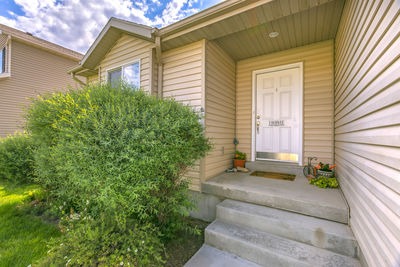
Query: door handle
{"x":258,"y":127}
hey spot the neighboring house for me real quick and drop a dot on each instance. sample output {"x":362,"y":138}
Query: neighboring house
{"x":287,"y":80}
{"x":29,"y":66}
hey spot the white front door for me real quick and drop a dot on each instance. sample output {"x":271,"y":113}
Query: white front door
{"x":278,"y":115}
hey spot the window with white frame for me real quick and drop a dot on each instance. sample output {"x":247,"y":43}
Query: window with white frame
{"x":129,"y":73}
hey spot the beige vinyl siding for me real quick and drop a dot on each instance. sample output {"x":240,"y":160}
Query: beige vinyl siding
{"x":318,"y":97}
{"x":92,"y":79}
{"x":33,"y":71}
{"x":367,"y":119}
{"x":3,"y":40}
{"x":183,"y":80}
{"x":129,"y":49}
{"x":220,"y":109}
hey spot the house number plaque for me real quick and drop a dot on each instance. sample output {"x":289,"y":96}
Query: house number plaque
{"x":276,"y":123}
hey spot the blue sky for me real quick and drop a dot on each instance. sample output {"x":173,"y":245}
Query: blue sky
{"x":76,"y":23}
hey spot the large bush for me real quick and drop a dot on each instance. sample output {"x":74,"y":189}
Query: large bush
{"x":117,"y":153}
{"x":16,"y":158}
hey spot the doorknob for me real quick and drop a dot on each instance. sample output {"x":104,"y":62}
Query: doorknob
{"x":258,"y":127}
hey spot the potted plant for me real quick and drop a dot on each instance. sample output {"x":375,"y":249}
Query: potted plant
{"x":325,"y":170}
{"x":239,"y":160}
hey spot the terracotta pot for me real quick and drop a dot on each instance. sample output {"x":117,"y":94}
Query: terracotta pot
{"x":239,"y":163}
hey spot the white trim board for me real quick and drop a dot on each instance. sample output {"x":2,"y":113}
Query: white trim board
{"x":254,"y":101}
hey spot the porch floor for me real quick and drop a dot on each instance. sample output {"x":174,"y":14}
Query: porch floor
{"x":297,"y":195}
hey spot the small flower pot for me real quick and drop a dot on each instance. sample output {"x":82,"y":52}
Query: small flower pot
{"x":239,"y":163}
{"x":325,"y":173}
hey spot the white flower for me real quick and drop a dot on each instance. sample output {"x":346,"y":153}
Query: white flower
{"x":122,"y":263}
{"x":65,"y":257}
{"x":61,"y":244}
{"x":142,"y":241}
{"x":67,"y":262}
{"x":87,"y":201}
{"x":128,"y":249}
{"x":136,"y":250}
{"x":30,"y":265}
{"x":64,"y":203}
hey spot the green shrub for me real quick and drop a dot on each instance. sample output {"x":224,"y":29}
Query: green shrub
{"x":16,"y":158}
{"x":325,"y":182}
{"x":88,"y":242}
{"x":117,"y":153}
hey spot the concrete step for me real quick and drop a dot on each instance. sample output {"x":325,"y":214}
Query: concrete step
{"x":297,"y":196}
{"x":266,"y":249}
{"x":333,"y":236}
{"x":211,"y":257}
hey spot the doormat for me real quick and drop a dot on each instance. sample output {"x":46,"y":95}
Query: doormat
{"x":274,"y":175}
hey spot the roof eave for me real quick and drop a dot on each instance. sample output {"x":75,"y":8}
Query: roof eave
{"x":203,"y":15}
{"x":40,"y":43}
{"x":134,"y":29}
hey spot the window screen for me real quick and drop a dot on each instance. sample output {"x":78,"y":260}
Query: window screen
{"x":114,"y":76}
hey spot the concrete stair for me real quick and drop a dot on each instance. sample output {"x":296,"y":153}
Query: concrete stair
{"x":267,"y":249}
{"x":297,"y":196}
{"x":270,"y":237}
{"x":333,"y":236}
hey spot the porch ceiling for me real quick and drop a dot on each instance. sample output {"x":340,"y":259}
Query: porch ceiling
{"x":245,"y":34}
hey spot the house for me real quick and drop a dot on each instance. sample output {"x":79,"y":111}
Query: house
{"x":281,"y":81}
{"x":29,"y":66}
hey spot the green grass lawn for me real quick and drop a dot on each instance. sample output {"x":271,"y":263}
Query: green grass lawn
{"x":22,"y":237}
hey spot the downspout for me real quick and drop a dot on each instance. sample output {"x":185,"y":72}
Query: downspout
{"x":159,"y":65}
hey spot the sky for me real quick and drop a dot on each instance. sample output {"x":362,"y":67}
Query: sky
{"x":76,"y":23}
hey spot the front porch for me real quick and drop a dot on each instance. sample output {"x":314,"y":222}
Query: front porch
{"x":297,"y":196}
{"x":278,"y":222}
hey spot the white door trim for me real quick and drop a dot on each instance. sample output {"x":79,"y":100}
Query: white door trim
{"x":254,"y":101}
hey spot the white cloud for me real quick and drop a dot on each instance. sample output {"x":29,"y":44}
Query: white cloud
{"x":157,"y":2}
{"x":174,"y":11}
{"x":76,"y":23}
